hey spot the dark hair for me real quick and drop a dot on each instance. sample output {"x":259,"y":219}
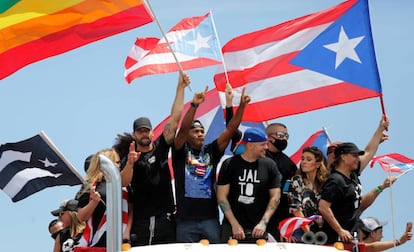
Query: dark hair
{"x":121,"y":145}
{"x":52,"y":223}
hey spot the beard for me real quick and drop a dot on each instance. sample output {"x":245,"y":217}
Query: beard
{"x":145,"y":141}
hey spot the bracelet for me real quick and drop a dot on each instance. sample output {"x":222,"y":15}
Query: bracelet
{"x":397,"y":242}
{"x":194,"y":105}
{"x":378,"y":189}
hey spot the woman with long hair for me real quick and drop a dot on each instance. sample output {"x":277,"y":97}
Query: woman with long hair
{"x":306,"y":187}
{"x":92,"y":199}
{"x":72,"y":230}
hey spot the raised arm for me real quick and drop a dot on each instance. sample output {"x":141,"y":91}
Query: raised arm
{"x":232,"y":127}
{"x":229,"y":114}
{"x":127,"y":172}
{"x":188,"y":119}
{"x":170,"y":127}
{"x":372,"y":146}
{"x":370,"y":197}
{"x":384,"y":245}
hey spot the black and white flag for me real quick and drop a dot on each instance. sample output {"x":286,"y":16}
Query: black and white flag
{"x":32,"y":165}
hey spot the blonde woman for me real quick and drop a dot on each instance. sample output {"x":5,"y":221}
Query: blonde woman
{"x":92,"y":200}
{"x":72,"y":230}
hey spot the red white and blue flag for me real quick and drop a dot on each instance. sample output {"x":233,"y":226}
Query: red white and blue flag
{"x":318,"y":139}
{"x":393,"y":162}
{"x":315,"y":61}
{"x":31,"y":165}
{"x":193,"y":41}
{"x":289,"y":225}
{"x":90,"y":237}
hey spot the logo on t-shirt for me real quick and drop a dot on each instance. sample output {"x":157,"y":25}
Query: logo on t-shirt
{"x":246,"y":184}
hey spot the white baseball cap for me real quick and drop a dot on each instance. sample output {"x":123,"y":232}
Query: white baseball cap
{"x":371,"y":223}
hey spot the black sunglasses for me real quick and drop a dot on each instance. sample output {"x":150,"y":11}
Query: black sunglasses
{"x":280,"y":134}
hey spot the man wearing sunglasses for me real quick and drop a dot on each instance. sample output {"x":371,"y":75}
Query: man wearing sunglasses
{"x":277,"y":137}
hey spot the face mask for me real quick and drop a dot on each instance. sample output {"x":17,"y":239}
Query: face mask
{"x":280,"y":144}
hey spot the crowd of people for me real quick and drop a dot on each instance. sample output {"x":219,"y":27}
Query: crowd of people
{"x":255,"y":189}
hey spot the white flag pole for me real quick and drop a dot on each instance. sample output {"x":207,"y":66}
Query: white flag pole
{"x":327,"y":135}
{"x":148,"y":5}
{"x":405,"y":172}
{"x":219,"y":46}
{"x":53,"y":146}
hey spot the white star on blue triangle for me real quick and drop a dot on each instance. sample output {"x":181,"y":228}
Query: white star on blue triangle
{"x":357,"y":66}
{"x":199,"y":42}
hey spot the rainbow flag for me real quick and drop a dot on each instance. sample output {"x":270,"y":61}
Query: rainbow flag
{"x":32,"y":30}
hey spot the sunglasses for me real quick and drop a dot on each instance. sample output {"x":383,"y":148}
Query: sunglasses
{"x":280,"y":134}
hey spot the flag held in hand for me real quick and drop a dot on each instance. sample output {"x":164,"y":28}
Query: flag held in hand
{"x":315,"y":61}
{"x":393,"y":162}
{"x":289,"y":225}
{"x":193,"y":41}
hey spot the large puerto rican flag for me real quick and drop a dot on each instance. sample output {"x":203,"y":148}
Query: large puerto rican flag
{"x":315,"y":61}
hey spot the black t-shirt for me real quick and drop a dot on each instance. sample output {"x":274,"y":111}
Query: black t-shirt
{"x":249,"y":187}
{"x":99,"y":211}
{"x":344,"y":194}
{"x":288,"y":169}
{"x":195,"y":179}
{"x":151,"y":182}
{"x":67,"y":242}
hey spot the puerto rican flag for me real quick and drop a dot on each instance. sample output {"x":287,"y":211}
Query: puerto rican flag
{"x":193,"y":41}
{"x":318,"y":139}
{"x":289,"y":225}
{"x":90,"y":237}
{"x":315,"y":61}
{"x":393,"y":162}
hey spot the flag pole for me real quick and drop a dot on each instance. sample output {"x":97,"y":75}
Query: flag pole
{"x":53,"y":146}
{"x":327,"y":135}
{"x":392,"y":211}
{"x":219,"y":46}
{"x":405,"y":172}
{"x":147,"y":4}
{"x":383,"y":108}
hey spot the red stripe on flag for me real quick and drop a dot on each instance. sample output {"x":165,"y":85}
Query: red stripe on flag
{"x":302,"y":100}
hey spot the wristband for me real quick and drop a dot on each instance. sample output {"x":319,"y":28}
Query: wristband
{"x":378,"y":189}
{"x":194,"y":105}
{"x":397,"y":242}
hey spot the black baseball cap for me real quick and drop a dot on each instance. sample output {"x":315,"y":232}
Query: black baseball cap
{"x":67,"y":205}
{"x":348,"y":148}
{"x":142,"y":122}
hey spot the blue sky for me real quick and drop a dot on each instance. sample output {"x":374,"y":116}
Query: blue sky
{"x":81,"y":101}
